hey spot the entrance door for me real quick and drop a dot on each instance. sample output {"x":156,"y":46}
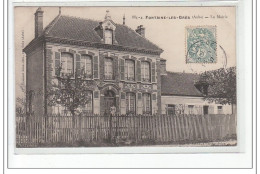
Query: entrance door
{"x":205,"y":110}
{"x":110,"y":100}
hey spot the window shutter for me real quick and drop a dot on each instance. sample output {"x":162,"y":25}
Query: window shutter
{"x":115,"y":64}
{"x":154,"y":97}
{"x":139,"y":103}
{"x":96,"y":94}
{"x":123,"y":95}
{"x":123,"y":103}
{"x":139,"y":96}
{"x":77,"y":64}
{"x":138,"y":70}
{"x":153,"y":71}
{"x":95,"y":68}
{"x":57,"y":64}
{"x":122,"y":69}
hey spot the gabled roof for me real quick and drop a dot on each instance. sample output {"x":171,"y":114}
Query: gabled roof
{"x":180,"y":84}
{"x":79,"y":29}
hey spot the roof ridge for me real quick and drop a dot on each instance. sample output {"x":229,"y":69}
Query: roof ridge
{"x":51,"y":24}
{"x":81,"y":18}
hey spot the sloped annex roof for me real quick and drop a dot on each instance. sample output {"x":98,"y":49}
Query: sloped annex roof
{"x":180,"y":84}
{"x":79,"y":29}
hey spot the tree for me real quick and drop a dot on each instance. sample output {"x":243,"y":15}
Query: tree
{"x":221,"y":85}
{"x":70,"y":92}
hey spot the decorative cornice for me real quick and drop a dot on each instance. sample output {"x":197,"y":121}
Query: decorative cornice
{"x":42,"y":38}
{"x":100,"y":45}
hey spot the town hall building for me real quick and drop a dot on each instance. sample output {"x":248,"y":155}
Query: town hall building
{"x":125,"y":69}
{"x":122,"y":64}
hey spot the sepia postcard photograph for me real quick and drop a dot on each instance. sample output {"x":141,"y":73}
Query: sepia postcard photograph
{"x":89,"y":76}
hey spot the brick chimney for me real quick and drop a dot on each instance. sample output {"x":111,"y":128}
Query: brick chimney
{"x":141,"y":30}
{"x":163,"y":66}
{"x":38,"y":22}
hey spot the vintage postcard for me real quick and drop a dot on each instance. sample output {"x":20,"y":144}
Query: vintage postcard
{"x":125,"y":76}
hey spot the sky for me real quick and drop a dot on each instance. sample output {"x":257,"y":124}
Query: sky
{"x":168,"y":34}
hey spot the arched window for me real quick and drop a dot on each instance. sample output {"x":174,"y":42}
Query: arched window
{"x":86,"y":66}
{"x":66,"y":64}
{"x":129,"y":70}
{"x":108,"y":36}
{"x":147,"y":103}
{"x":130,"y":103}
{"x":145,"y":72}
{"x":109,"y":74}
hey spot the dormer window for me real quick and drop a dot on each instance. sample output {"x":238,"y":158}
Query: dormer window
{"x":108,"y":36}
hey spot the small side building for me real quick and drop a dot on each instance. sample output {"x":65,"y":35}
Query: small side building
{"x":181,"y":94}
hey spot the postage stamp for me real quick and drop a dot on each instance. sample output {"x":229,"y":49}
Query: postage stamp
{"x":201,"y":44}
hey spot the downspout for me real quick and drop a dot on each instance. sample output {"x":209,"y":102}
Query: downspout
{"x":44,"y":78}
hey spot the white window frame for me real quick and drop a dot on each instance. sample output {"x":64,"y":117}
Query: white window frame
{"x":108,"y":36}
{"x":83,"y":60}
{"x":64,"y":71}
{"x":190,"y":109}
{"x":129,"y":74}
{"x":145,"y":71}
{"x":89,"y":106}
{"x":170,"y":106}
{"x":106,"y":68}
{"x":128,"y":98}
{"x":145,"y":96}
{"x":220,"y":111}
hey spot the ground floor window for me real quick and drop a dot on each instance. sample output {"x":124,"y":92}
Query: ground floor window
{"x":130,"y":103}
{"x":170,"y":109}
{"x":147,"y":103}
{"x":205,"y":110}
{"x":88,"y":109}
{"x":220,"y":109}
{"x":190,"y":109}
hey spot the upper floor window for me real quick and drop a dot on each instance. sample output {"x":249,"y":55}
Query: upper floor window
{"x":130,"y":103}
{"x":86,"y":66}
{"x":145,"y":72}
{"x":147,"y":103}
{"x":129,"y":70}
{"x":66,"y":64}
{"x":108,"y":36}
{"x":109,"y":73}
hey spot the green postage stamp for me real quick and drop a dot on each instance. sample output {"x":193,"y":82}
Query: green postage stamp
{"x":201,"y":44}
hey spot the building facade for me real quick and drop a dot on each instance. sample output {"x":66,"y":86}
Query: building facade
{"x":122,"y":66}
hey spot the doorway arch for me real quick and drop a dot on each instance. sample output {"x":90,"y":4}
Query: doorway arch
{"x":109,"y":96}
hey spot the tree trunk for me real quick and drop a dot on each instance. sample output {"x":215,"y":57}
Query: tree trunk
{"x":232,"y":108}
